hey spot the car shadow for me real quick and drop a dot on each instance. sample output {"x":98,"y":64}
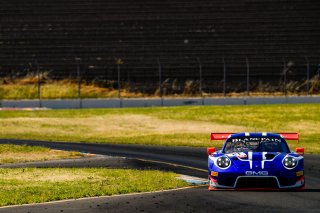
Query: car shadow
{"x":311,"y":190}
{"x":281,"y":191}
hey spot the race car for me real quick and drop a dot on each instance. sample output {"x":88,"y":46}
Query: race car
{"x":255,"y":161}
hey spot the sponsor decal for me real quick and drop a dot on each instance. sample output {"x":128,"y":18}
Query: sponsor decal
{"x":258,"y":139}
{"x":258,"y":173}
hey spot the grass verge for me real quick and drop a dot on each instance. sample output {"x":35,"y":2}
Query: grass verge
{"x":171,"y":126}
{"x":59,"y":90}
{"x":26,"y":87}
{"x":22,"y":153}
{"x":31,"y":185}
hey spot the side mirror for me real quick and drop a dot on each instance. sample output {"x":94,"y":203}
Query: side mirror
{"x":300,"y":151}
{"x":211,"y":150}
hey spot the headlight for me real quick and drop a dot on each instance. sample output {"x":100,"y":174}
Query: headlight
{"x":223,"y":162}
{"x":290,"y":162}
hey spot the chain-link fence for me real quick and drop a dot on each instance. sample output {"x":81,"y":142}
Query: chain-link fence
{"x":187,"y":77}
{"x":125,"y":48}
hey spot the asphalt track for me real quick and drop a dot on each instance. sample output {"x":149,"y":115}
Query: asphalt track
{"x":184,"y":160}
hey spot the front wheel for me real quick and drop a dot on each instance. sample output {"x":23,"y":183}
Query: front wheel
{"x":211,"y":184}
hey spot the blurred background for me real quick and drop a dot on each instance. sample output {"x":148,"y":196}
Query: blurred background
{"x":123,"y":48}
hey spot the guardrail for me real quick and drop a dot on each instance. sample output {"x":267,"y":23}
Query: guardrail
{"x":154,"y":102}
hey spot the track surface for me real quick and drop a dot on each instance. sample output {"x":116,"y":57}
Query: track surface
{"x":186,"y":200}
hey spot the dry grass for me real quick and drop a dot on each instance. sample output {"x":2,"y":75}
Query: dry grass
{"x":60,"y":90}
{"x":303,"y":126}
{"x":23,"y":153}
{"x":26,"y":88}
{"x":183,"y":126}
{"x":110,"y":125}
{"x":37,"y":156}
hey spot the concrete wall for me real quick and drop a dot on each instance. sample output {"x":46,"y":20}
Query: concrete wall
{"x":149,"y":102}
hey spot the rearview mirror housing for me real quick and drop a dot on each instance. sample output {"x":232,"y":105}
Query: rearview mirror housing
{"x":300,"y":151}
{"x":211,"y":150}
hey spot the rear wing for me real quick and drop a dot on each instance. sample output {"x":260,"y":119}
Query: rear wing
{"x":224,"y":136}
{"x":290,"y":136}
{"x":220,"y":136}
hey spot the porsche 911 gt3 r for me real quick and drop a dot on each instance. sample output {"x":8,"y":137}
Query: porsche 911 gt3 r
{"x":255,"y":161}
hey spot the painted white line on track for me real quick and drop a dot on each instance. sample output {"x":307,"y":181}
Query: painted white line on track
{"x":173,"y":164}
{"x":193,"y":180}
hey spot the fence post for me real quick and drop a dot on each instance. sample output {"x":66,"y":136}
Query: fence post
{"x":200,"y":80}
{"x":160,"y":80}
{"x":285,"y":77}
{"x":119,"y":62}
{"x":128,"y":77}
{"x":224,"y":77}
{"x":308,"y":74}
{"x":39,"y":83}
{"x":119,"y":89}
{"x":248,"y":76}
{"x":79,"y":81}
{"x":119,"y":85}
{"x":200,"y":76}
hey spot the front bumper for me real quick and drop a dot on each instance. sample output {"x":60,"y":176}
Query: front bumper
{"x":256,"y":182}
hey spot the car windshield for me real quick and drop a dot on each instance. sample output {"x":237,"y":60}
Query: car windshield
{"x":256,"y":144}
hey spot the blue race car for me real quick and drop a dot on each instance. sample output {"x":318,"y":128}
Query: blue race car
{"x":255,"y":161}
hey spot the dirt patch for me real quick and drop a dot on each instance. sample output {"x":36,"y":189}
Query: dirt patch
{"x":303,"y":126}
{"x":14,"y":157}
{"x":50,"y":175}
{"x":148,"y":124}
{"x":113,"y":125}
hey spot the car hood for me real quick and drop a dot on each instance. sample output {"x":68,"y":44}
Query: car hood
{"x":258,"y":160}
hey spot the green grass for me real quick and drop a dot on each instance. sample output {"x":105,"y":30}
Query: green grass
{"x":22,"y":153}
{"x":5,"y":148}
{"x":31,"y":185}
{"x":178,"y":126}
